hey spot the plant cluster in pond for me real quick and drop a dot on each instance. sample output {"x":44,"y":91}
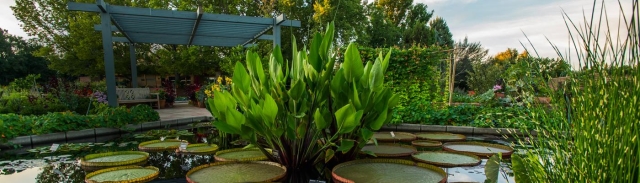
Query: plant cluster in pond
{"x":306,"y":110}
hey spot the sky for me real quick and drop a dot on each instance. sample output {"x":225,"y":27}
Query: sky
{"x":496,"y":24}
{"x":502,"y":24}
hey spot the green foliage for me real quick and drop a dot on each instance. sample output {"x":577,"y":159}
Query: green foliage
{"x":299,"y":103}
{"x":13,"y":125}
{"x":17,"y":60}
{"x":596,"y":139}
{"x":504,"y":117}
{"x":492,"y":168}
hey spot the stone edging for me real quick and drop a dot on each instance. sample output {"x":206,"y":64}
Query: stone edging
{"x":405,"y":127}
{"x":71,"y":135}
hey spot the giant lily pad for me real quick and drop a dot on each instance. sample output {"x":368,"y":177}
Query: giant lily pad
{"x":478,"y":148}
{"x":157,"y":145}
{"x":386,"y":170}
{"x":240,"y":154}
{"x":396,"y":137}
{"x":123,"y":174}
{"x":441,"y":136}
{"x":199,"y":149}
{"x":447,"y":159}
{"x":389,"y":150}
{"x":426,"y":143}
{"x":247,"y":171}
{"x":114,"y":158}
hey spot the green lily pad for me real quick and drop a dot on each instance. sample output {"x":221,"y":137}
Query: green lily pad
{"x":447,"y":159}
{"x":157,"y":145}
{"x":200,"y":149}
{"x":252,"y":171}
{"x":124,"y":174}
{"x":240,"y":154}
{"x":389,"y":150}
{"x":396,"y":137}
{"x":441,"y":136}
{"x":114,"y":158}
{"x":387,"y":170}
{"x":478,"y":148}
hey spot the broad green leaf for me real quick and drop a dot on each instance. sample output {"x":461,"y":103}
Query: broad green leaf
{"x":241,"y":78}
{"x":385,"y":62}
{"x":319,"y":120}
{"x":301,"y":130}
{"x":377,"y":124}
{"x":224,"y":127}
{"x":326,"y":43}
{"x":328,"y":155}
{"x":342,"y":114}
{"x":314,"y":50}
{"x":353,"y":68}
{"x":492,"y":168}
{"x":376,"y":78}
{"x":355,"y":99}
{"x":270,"y":108}
{"x":364,"y":80}
{"x":345,"y":146}
{"x":519,"y":169}
{"x":258,"y":67}
{"x":235,"y":118}
{"x":296,"y":90}
{"x":351,"y":122}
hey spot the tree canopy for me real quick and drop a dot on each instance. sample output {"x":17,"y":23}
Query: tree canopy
{"x":17,"y":60}
{"x":72,"y":46}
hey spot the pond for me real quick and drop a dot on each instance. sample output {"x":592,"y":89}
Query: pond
{"x":60,"y":167}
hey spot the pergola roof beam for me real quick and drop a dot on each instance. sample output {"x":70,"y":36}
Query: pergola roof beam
{"x":195,"y":25}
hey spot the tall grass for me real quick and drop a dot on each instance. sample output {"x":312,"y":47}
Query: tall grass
{"x":597,"y":138}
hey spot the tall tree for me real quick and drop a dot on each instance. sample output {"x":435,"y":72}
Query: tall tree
{"x":348,"y":16}
{"x":395,"y":10}
{"x":380,"y":31}
{"x":442,"y":33}
{"x":17,"y":60}
{"x":466,"y":53}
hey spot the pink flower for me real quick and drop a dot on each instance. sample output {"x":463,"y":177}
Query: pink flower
{"x":497,"y":87}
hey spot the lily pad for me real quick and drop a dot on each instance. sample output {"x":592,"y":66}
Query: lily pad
{"x":478,"y":148}
{"x":240,"y":154}
{"x":123,"y":174}
{"x":389,"y":150}
{"x":426,"y":143}
{"x":250,"y":171}
{"x":386,"y":170}
{"x":157,"y":145}
{"x":114,"y":158}
{"x":441,"y":136}
{"x":447,"y":159}
{"x":199,"y":149}
{"x":396,"y":137}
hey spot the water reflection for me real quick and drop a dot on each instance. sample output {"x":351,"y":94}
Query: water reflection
{"x":170,"y":164}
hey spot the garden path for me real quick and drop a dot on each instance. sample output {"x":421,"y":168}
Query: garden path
{"x":182,"y":111}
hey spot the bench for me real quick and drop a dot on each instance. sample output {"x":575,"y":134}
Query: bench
{"x":136,"y":95}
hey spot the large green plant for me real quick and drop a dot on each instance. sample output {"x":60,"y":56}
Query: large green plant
{"x":307,"y":110}
{"x":598,"y":138}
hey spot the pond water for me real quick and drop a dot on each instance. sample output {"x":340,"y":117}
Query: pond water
{"x":54,"y":168}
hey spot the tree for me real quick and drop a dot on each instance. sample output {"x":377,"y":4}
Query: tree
{"x":442,"y":34}
{"x":380,"y":31}
{"x":395,"y":10}
{"x":348,"y":16}
{"x":465,"y":54}
{"x":17,"y":60}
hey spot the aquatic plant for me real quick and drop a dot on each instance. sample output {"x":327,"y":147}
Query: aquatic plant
{"x":310,"y":109}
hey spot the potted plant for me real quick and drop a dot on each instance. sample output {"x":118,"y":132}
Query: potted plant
{"x":170,"y":93}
